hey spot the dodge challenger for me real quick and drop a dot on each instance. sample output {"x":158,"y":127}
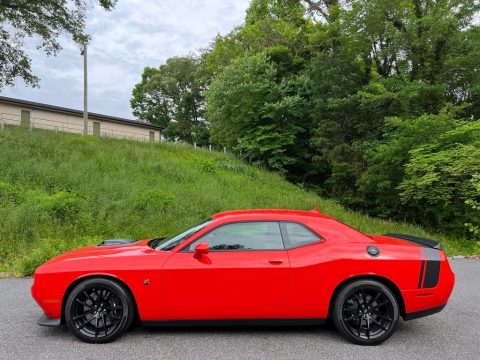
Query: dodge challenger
{"x":248,"y":267}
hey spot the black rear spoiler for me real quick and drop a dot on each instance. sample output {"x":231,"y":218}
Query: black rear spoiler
{"x":417,"y":240}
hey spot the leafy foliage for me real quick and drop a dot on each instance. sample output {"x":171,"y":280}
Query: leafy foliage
{"x":172,"y":96}
{"x":474,"y":203}
{"x":252,"y":112}
{"x":386,"y":159}
{"x":43,"y":19}
{"x":438,"y":178}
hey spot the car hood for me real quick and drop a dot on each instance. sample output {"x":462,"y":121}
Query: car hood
{"x":103,"y":251}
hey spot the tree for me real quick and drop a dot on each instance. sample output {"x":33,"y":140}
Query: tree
{"x":338,"y":124}
{"x":461,"y":71}
{"x":268,"y":24}
{"x":386,"y":159}
{"x":171,"y":93}
{"x":45,"y":19}
{"x":220,"y":53}
{"x":412,"y":37}
{"x":474,"y":203}
{"x":322,"y":10}
{"x":149,"y":100}
{"x":251,"y":112}
{"x":439,"y":179}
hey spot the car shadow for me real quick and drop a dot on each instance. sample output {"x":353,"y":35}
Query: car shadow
{"x":325,"y":331}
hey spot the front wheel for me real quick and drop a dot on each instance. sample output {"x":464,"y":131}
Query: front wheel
{"x":98,"y":310}
{"x":366,"y":312}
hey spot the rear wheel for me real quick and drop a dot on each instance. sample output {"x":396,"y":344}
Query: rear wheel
{"x":366,"y":312}
{"x":98,"y":310}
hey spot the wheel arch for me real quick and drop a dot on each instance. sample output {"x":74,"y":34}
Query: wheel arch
{"x":136,"y":315}
{"x":387,"y":282}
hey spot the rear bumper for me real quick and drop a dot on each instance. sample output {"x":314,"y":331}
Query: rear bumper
{"x":428,"y":300}
{"x":422,"y":313}
{"x":51,"y":322}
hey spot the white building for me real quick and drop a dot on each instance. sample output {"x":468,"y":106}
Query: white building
{"x":44,"y":116}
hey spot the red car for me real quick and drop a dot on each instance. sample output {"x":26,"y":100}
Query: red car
{"x":248,"y":267}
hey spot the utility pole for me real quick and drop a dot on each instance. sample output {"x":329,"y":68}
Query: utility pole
{"x":85,"y":91}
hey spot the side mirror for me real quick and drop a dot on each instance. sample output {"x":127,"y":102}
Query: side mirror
{"x":201,"y":249}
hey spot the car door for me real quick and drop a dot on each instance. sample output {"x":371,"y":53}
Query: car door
{"x":244,"y":275}
{"x":310,"y":266}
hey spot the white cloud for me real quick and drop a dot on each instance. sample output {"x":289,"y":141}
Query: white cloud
{"x":137,"y":33}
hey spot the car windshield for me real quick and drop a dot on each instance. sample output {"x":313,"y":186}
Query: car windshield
{"x":176,"y":240}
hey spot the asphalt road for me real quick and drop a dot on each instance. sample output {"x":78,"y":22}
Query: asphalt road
{"x":451,"y":334}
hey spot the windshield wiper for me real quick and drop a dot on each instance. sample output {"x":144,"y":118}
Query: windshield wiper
{"x":154,"y":242}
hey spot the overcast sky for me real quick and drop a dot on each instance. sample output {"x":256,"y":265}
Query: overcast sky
{"x":137,"y":33}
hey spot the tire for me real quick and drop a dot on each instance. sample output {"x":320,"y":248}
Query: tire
{"x":365,"y":312}
{"x":98,"y":310}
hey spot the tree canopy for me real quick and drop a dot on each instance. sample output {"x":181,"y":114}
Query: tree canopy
{"x":172,"y":97}
{"x":44,"y":20}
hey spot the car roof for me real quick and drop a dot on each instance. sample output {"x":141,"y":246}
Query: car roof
{"x":270,"y":212}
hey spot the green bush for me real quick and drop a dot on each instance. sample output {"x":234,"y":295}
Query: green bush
{"x":153,"y":201}
{"x":40,"y":254}
{"x":208,"y":166}
{"x":44,"y":251}
{"x":438,"y":179}
{"x":61,"y":206}
{"x":474,"y":203}
{"x":9,"y":194}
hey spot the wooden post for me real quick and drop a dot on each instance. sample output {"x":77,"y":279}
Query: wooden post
{"x":210,"y":148}
{"x":195,"y":145}
{"x":224,"y":150}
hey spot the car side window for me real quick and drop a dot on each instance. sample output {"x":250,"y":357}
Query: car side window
{"x":258,"y":235}
{"x":296,"y":235}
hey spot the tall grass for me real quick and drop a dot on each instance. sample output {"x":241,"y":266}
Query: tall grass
{"x":60,"y":191}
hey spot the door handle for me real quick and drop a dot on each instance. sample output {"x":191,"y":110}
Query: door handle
{"x":275,"y":261}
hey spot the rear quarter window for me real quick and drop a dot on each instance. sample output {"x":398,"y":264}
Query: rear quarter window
{"x":296,"y":235}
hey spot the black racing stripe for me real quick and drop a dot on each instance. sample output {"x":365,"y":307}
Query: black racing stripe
{"x":432,"y":271}
{"x":432,"y":274}
{"x":421,"y":274}
{"x":422,"y":267}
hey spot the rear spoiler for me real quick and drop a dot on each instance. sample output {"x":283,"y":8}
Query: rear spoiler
{"x":417,"y":240}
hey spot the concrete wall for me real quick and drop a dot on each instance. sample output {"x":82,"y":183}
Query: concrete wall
{"x":10,"y":114}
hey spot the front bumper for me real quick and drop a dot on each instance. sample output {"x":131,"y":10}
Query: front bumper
{"x":50,"y":301}
{"x":44,"y":320}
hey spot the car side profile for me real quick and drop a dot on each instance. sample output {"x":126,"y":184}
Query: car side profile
{"x":248,"y":267}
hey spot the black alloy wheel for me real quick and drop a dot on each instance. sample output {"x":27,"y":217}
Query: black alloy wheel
{"x":98,"y":310}
{"x":366,"y":312}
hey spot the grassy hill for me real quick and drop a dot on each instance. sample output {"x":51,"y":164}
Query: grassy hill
{"x":60,"y":191}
